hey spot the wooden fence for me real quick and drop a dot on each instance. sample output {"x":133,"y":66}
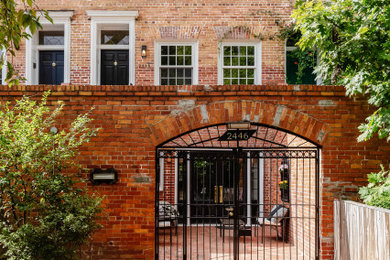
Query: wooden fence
{"x":360,"y":231}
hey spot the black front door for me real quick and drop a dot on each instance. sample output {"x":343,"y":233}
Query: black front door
{"x":51,"y":67}
{"x":115,"y":67}
{"x":213,"y":179}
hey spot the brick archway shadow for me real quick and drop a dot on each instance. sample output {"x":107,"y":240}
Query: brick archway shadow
{"x":280,"y":116}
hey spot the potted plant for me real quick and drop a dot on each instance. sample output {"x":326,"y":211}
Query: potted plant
{"x":284,"y":190}
{"x":283,"y":185}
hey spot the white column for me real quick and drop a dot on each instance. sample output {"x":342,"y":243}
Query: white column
{"x":67,"y":34}
{"x":248,"y":196}
{"x":188,"y":190}
{"x":132,"y":52}
{"x":261,"y":185}
{"x":161,"y":174}
{"x":176,"y":180}
{"x":93,"y":57}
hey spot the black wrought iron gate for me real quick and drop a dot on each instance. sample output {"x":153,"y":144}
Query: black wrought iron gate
{"x":237,"y":201}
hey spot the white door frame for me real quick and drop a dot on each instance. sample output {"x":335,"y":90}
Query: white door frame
{"x":101,"y":18}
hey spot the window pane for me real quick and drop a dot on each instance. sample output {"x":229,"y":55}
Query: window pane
{"x":172,"y":81}
{"x":115,"y":37}
{"x":250,"y":81}
{"x":234,"y":81}
{"x":242,"y":61}
{"x":180,"y":81}
{"x":226,"y":81}
{"x":164,"y":81}
{"x":180,"y":73}
{"x":234,"y":73}
{"x":188,"y":60}
{"x":51,"y":38}
{"x":226,"y":61}
{"x":188,"y":50}
{"x":188,"y":73}
{"x":227,"y":50}
{"x":172,"y":50}
{"x":242,"y":73}
{"x":180,"y":60}
{"x":164,"y":60}
{"x":251,"y":73}
{"x":172,"y":73}
{"x":180,"y":50}
{"x":172,"y":60}
{"x":243,"y":51}
{"x":235,"y":61}
{"x":188,"y":81}
{"x":164,"y":50}
{"x":251,"y":50}
{"x":226,"y":73}
{"x":234,"y":50}
{"x":251,"y":61}
{"x":164,"y":73}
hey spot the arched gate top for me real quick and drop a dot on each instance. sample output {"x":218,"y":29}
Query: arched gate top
{"x":263,"y":137}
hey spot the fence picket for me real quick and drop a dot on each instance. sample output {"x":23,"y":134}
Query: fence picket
{"x":362,"y":232}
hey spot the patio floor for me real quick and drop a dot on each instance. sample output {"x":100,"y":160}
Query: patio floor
{"x":206,"y":242}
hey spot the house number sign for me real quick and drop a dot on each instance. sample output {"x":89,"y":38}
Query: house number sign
{"x":237,"y":135}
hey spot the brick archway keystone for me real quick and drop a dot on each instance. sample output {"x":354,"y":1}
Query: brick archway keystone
{"x":190,"y":116}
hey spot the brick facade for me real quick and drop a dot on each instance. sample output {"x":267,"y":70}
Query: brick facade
{"x":207,"y":22}
{"x":135,"y":119}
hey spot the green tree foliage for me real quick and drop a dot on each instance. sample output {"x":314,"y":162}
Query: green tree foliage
{"x":14,"y":20}
{"x":353,"y":38}
{"x":377,"y":193}
{"x":45,"y":210}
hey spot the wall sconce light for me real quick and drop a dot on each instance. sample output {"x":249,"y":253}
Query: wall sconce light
{"x":143,"y":51}
{"x":239,"y":125}
{"x":109,"y":176}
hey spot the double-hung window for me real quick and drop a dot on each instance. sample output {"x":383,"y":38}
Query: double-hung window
{"x":239,"y":63}
{"x":176,"y":64}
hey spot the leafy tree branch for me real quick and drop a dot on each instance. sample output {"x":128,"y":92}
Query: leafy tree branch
{"x":15,"y":19}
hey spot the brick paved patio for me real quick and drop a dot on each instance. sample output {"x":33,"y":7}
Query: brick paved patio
{"x":206,"y":242}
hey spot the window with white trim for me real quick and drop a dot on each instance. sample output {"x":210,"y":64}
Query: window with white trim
{"x":239,"y":63}
{"x":177,"y":64}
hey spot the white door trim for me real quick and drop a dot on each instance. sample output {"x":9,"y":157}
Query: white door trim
{"x":61,"y":18}
{"x":114,"y":18}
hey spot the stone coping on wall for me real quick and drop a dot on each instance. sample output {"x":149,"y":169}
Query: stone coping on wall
{"x":187,"y":90}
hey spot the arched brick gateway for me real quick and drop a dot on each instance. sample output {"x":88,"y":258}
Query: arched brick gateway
{"x":201,"y":175}
{"x":280,"y":116}
{"x":135,"y":119}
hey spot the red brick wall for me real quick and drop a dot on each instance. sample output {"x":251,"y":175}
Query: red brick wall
{"x":135,"y":119}
{"x":207,"y":22}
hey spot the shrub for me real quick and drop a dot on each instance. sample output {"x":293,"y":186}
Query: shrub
{"x":377,"y":192}
{"x":45,"y":210}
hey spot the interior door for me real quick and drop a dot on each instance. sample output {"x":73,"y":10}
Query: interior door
{"x":115,"y":67}
{"x":51,"y":67}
